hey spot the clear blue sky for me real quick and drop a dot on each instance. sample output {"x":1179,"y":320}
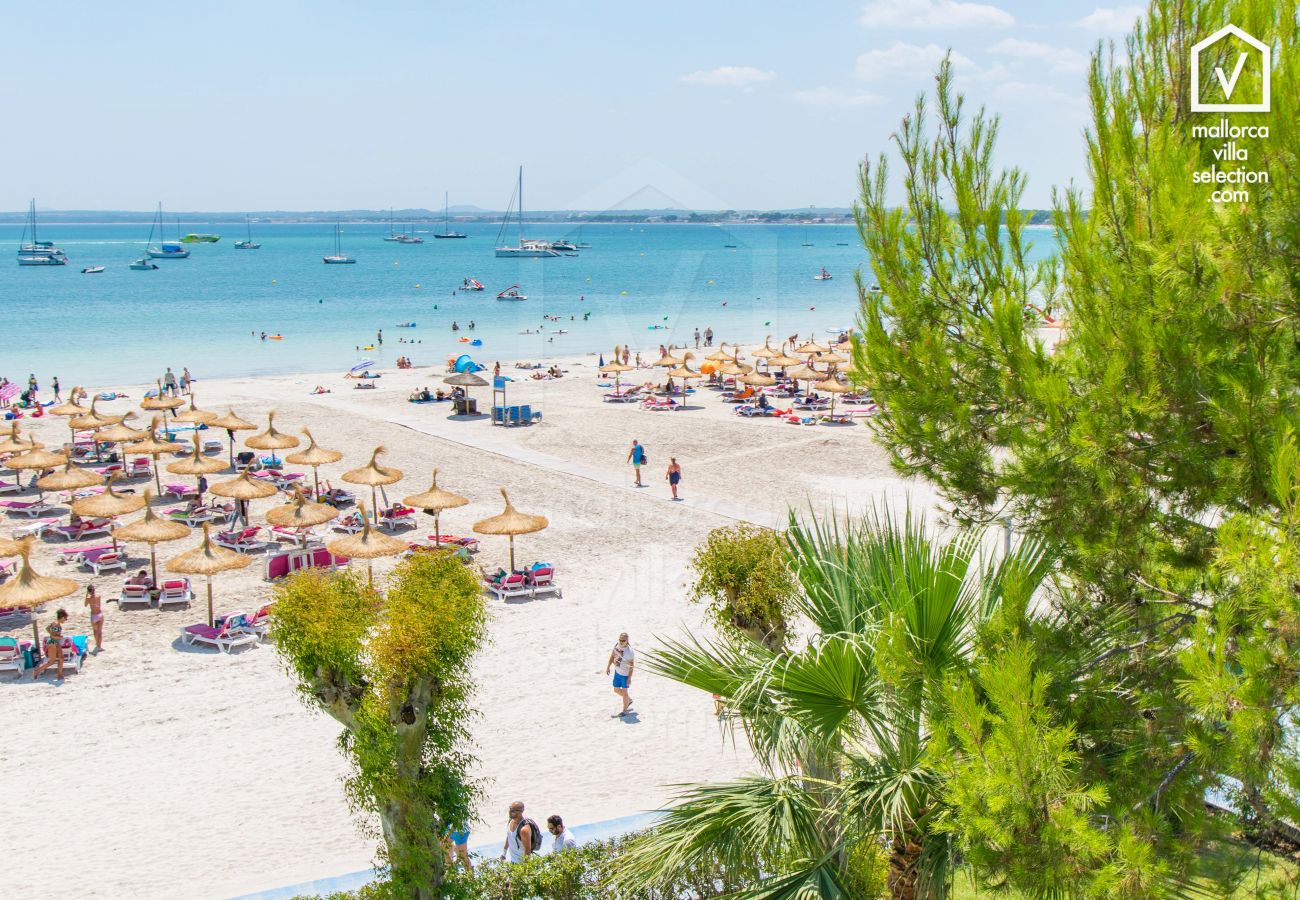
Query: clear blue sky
{"x":293,"y":105}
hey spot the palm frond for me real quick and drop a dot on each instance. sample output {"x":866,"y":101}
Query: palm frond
{"x":831,"y":686}
{"x":818,"y":880}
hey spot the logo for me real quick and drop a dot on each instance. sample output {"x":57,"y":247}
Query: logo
{"x":1229,"y":82}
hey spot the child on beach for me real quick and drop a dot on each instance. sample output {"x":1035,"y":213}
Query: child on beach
{"x":96,"y":605}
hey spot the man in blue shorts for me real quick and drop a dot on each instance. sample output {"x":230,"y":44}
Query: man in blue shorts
{"x":636,"y":456}
{"x":621,"y":660}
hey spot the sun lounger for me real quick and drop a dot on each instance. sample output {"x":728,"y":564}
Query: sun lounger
{"x":622,"y":396}
{"x":180,"y":491}
{"x":77,"y":555}
{"x":213,"y":445}
{"x":350,"y":524}
{"x":134,"y":594}
{"x":289,"y":560}
{"x":465,"y":543}
{"x":84,"y":529}
{"x":245,"y":460}
{"x":398,"y":517}
{"x":33,"y":529}
{"x":667,"y":403}
{"x":29,"y":508}
{"x":10,"y":613}
{"x":259,"y":623}
{"x":10,"y":487}
{"x":138,"y":468}
{"x":334,"y":496}
{"x":542,"y":581}
{"x":512,"y":585}
{"x":72,"y":655}
{"x":245,"y":541}
{"x":175,"y":592}
{"x":105,"y":560}
{"x":285,"y":535}
{"x":12,"y":658}
{"x":224,"y":636}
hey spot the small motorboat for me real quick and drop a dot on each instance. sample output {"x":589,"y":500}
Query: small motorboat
{"x":247,"y":245}
{"x":511,"y":293}
{"x":823,"y":275}
{"x":144,"y":264}
{"x":92,"y":270}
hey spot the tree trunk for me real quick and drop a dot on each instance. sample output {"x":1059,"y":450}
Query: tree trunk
{"x":414,"y":855}
{"x":905,"y":853}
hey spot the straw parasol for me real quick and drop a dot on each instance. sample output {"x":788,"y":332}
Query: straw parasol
{"x":69,"y":479}
{"x":301,"y":513}
{"x":720,"y":355}
{"x":93,"y":419}
{"x":434,"y":501}
{"x":808,"y":347}
{"x":843,"y":346}
{"x":70,"y":408}
{"x":15,"y":444}
{"x":153,"y":448}
{"x":109,"y":504}
{"x":668,"y":360}
{"x":733,"y":366}
{"x":36,"y":458}
{"x":152,"y":531}
{"x":28,"y":589}
{"x":832,"y":385}
{"x":9,"y":548}
{"x":194,"y":415}
{"x":196,"y":464}
{"x":208,"y":559}
{"x":368,"y":545}
{"x":232,"y":423}
{"x":161,"y":402}
{"x":757,"y":379}
{"x":830,"y":359}
{"x":271,"y":439}
{"x":804,"y":373}
{"x":765,"y":351}
{"x":684,"y":372}
{"x":615,"y":367}
{"x":314,"y":456}
{"x":375,"y":475}
{"x":121,"y":433}
{"x":781,"y":361}
{"x":511,"y":522}
{"x":242,"y":488}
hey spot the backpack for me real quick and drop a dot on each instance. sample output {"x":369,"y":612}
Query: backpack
{"x":532,"y":830}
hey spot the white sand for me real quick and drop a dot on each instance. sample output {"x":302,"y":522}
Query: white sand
{"x":160,"y":771}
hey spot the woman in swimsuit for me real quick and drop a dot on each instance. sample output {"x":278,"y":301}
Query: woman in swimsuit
{"x":674,"y":475}
{"x":96,"y":605}
{"x":53,"y":645}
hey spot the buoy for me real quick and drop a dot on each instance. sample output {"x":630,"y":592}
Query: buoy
{"x":710,"y":281}
{"x":724,"y":302}
{"x":274,"y":337}
{"x":477,"y":342}
{"x":622,"y":293}
{"x":417,"y":287}
{"x":273,"y":281}
{"x":588,"y":280}
{"x":394,"y":262}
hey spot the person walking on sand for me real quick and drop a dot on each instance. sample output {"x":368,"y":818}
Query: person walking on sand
{"x":187,"y":380}
{"x":53,"y":645}
{"x":697,"y":339}
{"x":95,"y":604}
{"x":169,"y":382}
{"x":636,"y":456}
{"x":562,"y":838}
{"x":621,"y":659}
{"x":457,"y":844}
{"x":55,"y":384}
{"x":521,"y":834}
{"x":674,"y":476}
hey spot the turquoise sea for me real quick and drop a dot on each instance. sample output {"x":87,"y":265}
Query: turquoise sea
{"x":207,"y":312}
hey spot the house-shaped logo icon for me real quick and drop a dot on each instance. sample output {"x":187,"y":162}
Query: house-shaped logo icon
{"x":1228,"y":82}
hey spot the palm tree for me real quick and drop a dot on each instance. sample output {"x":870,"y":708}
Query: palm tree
{"x":838,"y":722}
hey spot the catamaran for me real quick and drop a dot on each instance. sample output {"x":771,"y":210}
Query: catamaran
{"x":446,"y":221}
{"x":35,"y":252}
{"x":165,"y":249}
{"x":525,"y":248}
{"x":823,"y":275}
{"x":248,"y":243}
{"x":511,"y":293}
{"x":338,"y":257}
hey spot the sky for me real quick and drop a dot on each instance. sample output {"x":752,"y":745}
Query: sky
{"x":328,"y":105}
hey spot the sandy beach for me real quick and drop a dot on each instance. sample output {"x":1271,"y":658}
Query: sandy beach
{"x":178,"y":771}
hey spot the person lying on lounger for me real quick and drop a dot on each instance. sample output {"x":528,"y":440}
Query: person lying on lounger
{"x":141,"y":579}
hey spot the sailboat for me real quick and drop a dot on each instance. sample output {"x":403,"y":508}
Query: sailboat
{"x":525,"y":248}
{"x":806,"y":243}
{"x":579,"y":243}
{"x":411,"y":238}
{"x":446,"y":221}
{"x":392,"y":233}
{"x":34,"y":252}
{"x":339,"y":258}
{"x":248,"y":243}
{"x":165,"y":249}
{"x":823,"y":275}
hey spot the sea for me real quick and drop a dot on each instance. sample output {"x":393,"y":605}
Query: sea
{"x":636,"y":285}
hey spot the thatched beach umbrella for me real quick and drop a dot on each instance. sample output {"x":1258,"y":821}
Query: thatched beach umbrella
{"x":109,"y":505}
{"x":720,"y":355}
{"x":93,"y":418}
{"x":511,"y":522}
{"x":683,"y":371}
{"x":196,"y":464}
{"x":232,"y":423}
{"x":244,"y":489}
{"x":29,"y":589}
{"x":9,"y":548}
{"x":465,"y":380}
{"x":69,"y":479}
{"x":161,"y":402}
{"x":70,"y":408}
{"x":615,"y":367}
{"x":668,"y":360}
{"x":151,"y":530}
{"x":733,"y":366}
{"x":375,"y":475}
{"x":271,"y":439}
{"x":830,"y":359}
{"x":16,"y":443}
{"x":808,"y":347}
{"x":832,"y":385}
{"x":757,"y":379}
{"x":153,"y":448}
{"x":37,"y":459}
{"x":434,"y":501}
{"x":208,"y":559}
{"x":120,"y":433}
{"x":301,"y":513}
{"x":765,"y":351}
{"x":194,"y":415}
{"x":782,"y":361}
{"x":368,"y":545}
{"x":314,"y":456}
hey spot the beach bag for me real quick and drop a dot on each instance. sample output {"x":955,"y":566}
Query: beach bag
{"x":534,"y":831}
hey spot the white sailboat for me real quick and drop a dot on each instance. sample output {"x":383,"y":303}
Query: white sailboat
{"x":248,"y":243}
{"x":36,"y":252}
{"x":338,"y":257}
{"x":165,"y":249}
{"x":392,"y":232}
{"x":525,"y":248}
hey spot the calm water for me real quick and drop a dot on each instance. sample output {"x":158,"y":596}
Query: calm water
{"x":126,"y":326}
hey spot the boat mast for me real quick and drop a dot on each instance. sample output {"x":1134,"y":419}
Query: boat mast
{"x":521,"y":206}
